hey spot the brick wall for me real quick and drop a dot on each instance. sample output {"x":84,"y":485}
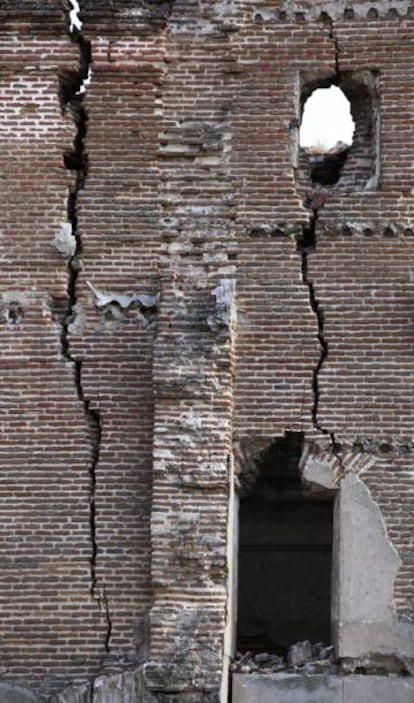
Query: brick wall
{"x":46,"y":609}
{"x":57,"y":623}
{"x":191,"y":142}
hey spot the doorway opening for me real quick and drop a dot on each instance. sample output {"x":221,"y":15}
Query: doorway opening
{"x":285,"y":554}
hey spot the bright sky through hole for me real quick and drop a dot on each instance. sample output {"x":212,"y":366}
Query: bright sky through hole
{"x":326,"y":120}
{"x":74,"y":20}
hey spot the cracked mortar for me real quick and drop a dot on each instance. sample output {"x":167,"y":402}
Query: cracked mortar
{"x":68,"y":242}
{"x":306,"y":244}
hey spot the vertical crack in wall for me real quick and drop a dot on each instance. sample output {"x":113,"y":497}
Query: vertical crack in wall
{"x":73,"y":86}
{"x":307,"y":244}
{"x":329,"y":24}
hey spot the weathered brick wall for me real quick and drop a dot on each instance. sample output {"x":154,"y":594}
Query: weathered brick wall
{"x":46,"y":609}
{"x":360,"y":268}
{"x":191,"y":142}
{"x":118,"y":216}
{"x":193,"y":373}
{"x":76,"y":505}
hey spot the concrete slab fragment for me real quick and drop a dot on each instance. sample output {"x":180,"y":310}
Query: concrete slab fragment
{"x":287,"y":688}
{"x":299,"y":688}
{"x":368,"y":564}
{"x":381,"y":689}
{"x":10,"y":693}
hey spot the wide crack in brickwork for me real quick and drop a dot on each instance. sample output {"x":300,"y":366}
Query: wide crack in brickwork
{"x":307,"y":244}
{"x":72,"y":91}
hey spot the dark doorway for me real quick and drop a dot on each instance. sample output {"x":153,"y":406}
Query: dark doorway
{"x":284,"y":586}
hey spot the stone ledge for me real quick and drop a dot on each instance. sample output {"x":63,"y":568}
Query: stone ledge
{"x":296,"y":688}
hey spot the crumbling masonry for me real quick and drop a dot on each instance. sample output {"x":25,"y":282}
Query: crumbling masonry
{"x":181,"y":299}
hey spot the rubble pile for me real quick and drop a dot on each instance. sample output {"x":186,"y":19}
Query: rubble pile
{"x":301,"y":657}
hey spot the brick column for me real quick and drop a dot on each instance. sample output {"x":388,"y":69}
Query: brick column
{"x":193,"y":388}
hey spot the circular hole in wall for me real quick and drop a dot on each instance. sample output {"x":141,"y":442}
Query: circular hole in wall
{"x":326,"y":133}
{"x":327,"y":121}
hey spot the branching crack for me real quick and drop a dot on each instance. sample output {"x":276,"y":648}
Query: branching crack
{"x":72,"y":91}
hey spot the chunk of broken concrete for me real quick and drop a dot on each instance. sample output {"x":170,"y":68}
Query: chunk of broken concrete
{"x":123,"y":300}
{"x":64,"y":240}
{"x":299,"y":653}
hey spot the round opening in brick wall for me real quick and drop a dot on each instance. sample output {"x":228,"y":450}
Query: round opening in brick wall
{"x":326,"y":133}
{"x":327,"y":123}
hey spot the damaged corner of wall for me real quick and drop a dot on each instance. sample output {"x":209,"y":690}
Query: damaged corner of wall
{"x":367,"y":565}
{"x":319,"y":470}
